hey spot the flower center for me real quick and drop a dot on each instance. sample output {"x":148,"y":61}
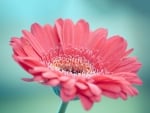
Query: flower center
{"x":72,"y":64}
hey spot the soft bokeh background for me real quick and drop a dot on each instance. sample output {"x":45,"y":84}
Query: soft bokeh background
{"x":128,"y":18}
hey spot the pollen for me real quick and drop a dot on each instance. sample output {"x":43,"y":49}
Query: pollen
{"x":72,"y":64}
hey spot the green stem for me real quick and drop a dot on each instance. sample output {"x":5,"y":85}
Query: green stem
{"x":63,"y":107}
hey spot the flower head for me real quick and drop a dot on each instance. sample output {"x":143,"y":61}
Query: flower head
{"x":81,"y":63}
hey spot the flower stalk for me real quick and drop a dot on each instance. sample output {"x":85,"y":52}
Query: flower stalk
{"x":63,"y":107}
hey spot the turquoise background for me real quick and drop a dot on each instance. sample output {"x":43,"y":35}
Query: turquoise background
{"x":128,"y":18}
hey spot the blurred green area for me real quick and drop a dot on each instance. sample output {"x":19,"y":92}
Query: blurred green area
{"x":128,"y":18}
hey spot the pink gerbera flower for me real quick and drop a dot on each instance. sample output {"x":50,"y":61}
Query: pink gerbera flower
{"x":80,"y":63}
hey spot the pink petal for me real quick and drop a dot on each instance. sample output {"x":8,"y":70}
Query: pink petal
{"x":129,"y":90}
{"x":33,"y":41}
{"x":68,"y":33}
{"x":50,"y":75}
{"x":86,"y":102}
{"x":119,"y":50}
{"x":110,"y":87}
{"x":45,"y":36}
{"x":128,"y":65}
{"x":28,"y":79}
{"x":16,"y":44}
{"x":59,"y":29}
{"x":28,"y":62}
{"x":69,"y":84}
{"x":123,"y":96}
{"x":81,"y":33}
{"x":63,"y":78}
{"x":66,"y":97}
{"x":97,"y":39}
{"x":87,"y":93}
{"x":28,"y":49}
{"x":41,"y":69}
{"x":38,"y":79}
{"x":110,"y":94}
{"x":52,"y":36}
{"x":128,"y":52}
{"x":69,"y":92}
{"x":130,"y":77}
{"x":96,"y":98}
{"x":81,"y":85}
{"x":94,"y":89}
{"x":38,"y":70}
{"x":53,"y":82}
{"x":40,"y":35}
{"x":24,"y":64}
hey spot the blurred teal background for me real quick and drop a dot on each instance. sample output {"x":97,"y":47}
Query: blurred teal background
{"x":128,"y":18}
